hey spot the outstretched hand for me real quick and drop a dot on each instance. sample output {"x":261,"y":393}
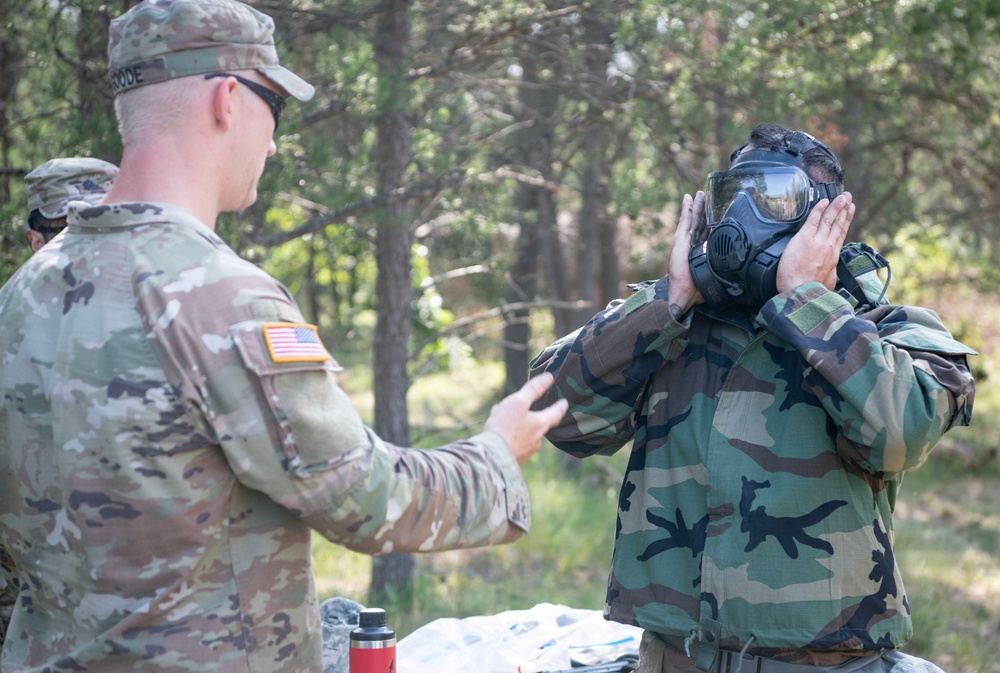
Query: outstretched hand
{"x":522,"y":428}
{"x":814,"y":251}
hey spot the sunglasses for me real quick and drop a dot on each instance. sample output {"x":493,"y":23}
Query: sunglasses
{"x":272,"y":98}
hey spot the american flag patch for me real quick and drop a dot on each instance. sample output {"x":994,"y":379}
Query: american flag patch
{"x":292,"y":342}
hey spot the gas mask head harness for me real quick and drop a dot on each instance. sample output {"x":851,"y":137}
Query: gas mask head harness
{"x":753,"y":210}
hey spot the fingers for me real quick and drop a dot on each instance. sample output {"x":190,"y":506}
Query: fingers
{"x":698,"y":222}
{"x":522,"y":428}
{"x":814,"y":251}
{"x":698,"y":208}
{"x":515,"y":409}
{"x":839,"y":219}
{"x":816,"y":214}
{"x":843,"y":222}
{"x":533,"y":390}
{"x":535,"y":387}
{"x":833,"y":216}
{"x":830,"y":216}
{"x":692,"y":214}
{"x":686,"y":218}
{"x":552,"y":414}
{"x":683,"y":293}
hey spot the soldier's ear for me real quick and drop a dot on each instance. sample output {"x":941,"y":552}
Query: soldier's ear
{"x":223,"y":101}
{"x":35,"y":239}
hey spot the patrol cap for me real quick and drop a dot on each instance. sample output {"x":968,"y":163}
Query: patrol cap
{"x":159,"y":40}
{"x":55,"y":183}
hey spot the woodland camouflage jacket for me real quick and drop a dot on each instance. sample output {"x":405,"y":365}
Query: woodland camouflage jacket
{"x":169,"y":433}
{"x":757,"y":499}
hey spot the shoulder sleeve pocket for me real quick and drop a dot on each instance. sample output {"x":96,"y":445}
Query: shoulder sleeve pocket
{"x":318,"y":426}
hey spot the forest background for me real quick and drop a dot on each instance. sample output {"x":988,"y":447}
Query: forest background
{"x":477,"y":177}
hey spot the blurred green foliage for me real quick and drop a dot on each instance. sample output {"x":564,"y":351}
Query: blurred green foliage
{"x":904,"y":93}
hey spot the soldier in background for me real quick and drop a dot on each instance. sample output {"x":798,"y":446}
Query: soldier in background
{"x":54,"y":185}
{"x":754,"y":523}
{"x":171,"y":430}
{"x":51,"y":188}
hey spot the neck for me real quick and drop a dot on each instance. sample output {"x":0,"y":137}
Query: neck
{"x":167,"y":169}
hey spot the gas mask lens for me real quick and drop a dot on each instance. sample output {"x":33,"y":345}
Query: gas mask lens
{"x":777,"y":194}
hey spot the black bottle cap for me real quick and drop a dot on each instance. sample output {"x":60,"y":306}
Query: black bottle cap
{"x":371,"y":618}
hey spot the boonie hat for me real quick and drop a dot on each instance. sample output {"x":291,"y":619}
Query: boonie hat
{"x":55,"y":183}
{"x":158,"y":40}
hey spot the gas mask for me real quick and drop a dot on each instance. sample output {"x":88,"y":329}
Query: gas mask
{"x":753,"y":210}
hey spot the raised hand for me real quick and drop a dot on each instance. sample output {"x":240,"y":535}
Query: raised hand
{"x":682,"y":293}
{"x":813,"y":252}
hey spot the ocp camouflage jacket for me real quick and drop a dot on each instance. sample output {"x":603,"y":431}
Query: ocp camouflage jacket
{"x":757,"y":501}
{"x":170,"y":431}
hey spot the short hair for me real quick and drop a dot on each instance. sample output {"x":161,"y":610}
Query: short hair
{"x":822,"y":166}
{"x":48,"y":227}
{"x":152,"y":108}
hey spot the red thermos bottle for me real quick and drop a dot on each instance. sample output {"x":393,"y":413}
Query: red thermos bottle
{"x":373,"y":644}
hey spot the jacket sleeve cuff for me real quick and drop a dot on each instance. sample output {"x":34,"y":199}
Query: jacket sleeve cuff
{"x":514,"y":487}
{"x":803,"y":310}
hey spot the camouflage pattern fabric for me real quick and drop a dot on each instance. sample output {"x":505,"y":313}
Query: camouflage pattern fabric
{"x":53,"y":185}
{"x":338,"y":616}
{"x":170,"y":432}
{"x":8,"y":594}
{"x":51,"y":188}
{"x":757,"y":502}
{"x":657,"y":656}
{"x":159,"y":40}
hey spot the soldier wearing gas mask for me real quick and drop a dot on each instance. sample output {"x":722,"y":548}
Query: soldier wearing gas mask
{"x":753,"y":210}
{"x":772,"y":399}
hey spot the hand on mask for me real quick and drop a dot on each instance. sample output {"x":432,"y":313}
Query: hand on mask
{"x":682,"y":293}
{"x":813,"y":252}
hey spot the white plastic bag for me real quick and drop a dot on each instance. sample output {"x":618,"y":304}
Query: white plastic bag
{"x":545,"y":638}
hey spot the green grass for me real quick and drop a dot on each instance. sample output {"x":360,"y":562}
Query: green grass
{"x":563,"y":560}
{"x":948,"y":545}
{"x":947,"y":531}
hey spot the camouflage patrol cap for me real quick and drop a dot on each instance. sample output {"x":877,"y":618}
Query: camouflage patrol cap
{"x":159,"y":40}
{"x":55,"y":183}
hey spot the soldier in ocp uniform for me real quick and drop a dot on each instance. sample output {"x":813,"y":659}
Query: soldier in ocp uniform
{"x":51,"y":188}
{"x":774,"y":399}
{"x":171,"y":429}
{"x":54,"y":185}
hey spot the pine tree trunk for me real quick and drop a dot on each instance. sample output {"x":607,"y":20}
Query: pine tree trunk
{"x":392,"y":575}
{"x":522,"y":286}
{"x":596,"y":261}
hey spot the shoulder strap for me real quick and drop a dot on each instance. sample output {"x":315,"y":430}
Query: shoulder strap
{"x":855,"y":260}
{"x":850,"y":283}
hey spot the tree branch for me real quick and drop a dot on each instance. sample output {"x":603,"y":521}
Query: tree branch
{"x":366,"y":206}
{"x":534,"y":181}
{"x":304,"y":22}
{"x":327,"y":217}
{"x":493,"y":313}
{"x":466,"y":55}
